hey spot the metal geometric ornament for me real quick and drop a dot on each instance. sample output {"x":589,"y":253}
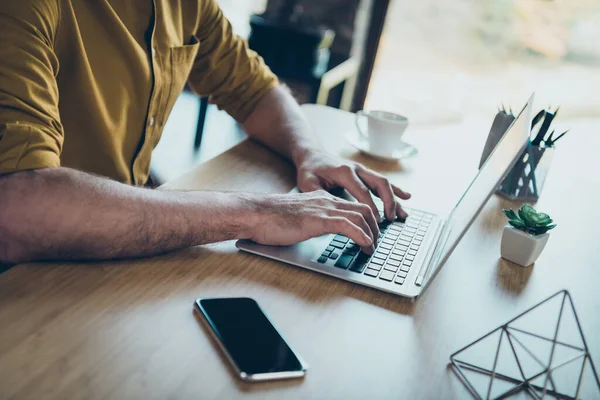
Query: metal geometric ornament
{"x":541,"y":352}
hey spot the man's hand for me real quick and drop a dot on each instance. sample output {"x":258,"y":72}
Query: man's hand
{"x":291,"y":218}
{"x":319,"y":170}
{"x":278,"y":122}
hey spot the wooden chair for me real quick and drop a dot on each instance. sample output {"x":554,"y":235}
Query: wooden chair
{"x":326,"y":77}
{"x":200,"y":124}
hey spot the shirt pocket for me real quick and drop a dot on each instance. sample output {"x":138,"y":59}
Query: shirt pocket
{"x":182,"y":59}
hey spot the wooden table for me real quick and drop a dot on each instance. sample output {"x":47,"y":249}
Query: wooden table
{"x":126,"y":329}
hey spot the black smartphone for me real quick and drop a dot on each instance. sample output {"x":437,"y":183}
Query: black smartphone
{"x":252,"y":345}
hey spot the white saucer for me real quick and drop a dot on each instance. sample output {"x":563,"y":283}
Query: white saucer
{"x":403,"y":151}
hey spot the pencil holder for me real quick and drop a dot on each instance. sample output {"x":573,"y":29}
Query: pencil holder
{"x":525,"y":180}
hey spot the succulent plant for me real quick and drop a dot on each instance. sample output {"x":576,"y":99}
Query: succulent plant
{"x":529,"y":220}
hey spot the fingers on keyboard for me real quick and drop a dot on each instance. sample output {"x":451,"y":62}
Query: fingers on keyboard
{"x":396,"y":251}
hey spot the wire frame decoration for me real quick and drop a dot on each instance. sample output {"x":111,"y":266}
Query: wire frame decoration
{"x":541,"y":353}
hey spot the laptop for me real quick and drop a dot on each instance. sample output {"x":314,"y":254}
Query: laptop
{"x":409,"y":253}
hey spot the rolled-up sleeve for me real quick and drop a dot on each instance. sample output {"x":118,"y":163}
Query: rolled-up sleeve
{"x":234,"y":77}
{"x":31,"y":135}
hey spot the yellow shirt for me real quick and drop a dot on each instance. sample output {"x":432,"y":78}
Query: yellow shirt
{"x":89,"y":84}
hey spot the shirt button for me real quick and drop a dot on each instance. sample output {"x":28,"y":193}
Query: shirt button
{"x":151,"y":121}
{"x":153,"y":52}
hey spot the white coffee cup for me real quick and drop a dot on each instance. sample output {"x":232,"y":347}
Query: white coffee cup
{"x":384,"y":130}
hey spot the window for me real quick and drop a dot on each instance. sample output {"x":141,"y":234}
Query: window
{"x":439,"y":61}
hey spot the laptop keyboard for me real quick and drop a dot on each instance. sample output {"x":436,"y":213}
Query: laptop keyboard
{"x":394,"y":254}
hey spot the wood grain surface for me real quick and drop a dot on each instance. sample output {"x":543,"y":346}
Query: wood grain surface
{"x":126,"y":329}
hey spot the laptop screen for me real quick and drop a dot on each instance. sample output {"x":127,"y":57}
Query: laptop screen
{"x":489,"y":177}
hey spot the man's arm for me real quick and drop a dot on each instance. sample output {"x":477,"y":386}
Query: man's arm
{"x":278,"y":122}
{"x":59,"y":213}
{"x":238,"y":81}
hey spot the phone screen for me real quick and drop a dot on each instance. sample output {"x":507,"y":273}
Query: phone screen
{"x":253,"y":343}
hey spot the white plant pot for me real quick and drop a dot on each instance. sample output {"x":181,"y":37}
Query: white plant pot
{"x":522,"y":248}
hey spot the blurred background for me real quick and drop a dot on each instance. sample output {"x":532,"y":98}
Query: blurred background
{"x":466,"y":56}
{"x":433,"y":61}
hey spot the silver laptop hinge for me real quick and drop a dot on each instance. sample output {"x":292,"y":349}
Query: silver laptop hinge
{"x":429,"y":257}
{"x":440,"y":245}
